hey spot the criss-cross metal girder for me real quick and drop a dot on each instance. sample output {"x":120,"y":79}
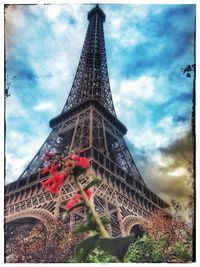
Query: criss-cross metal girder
{"x":91,"y":80}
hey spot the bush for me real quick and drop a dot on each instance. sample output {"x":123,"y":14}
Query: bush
{"x":146,"y":249}
{"x":166,"y":238}
{"x":181,"y":252}
{"x":154,"y":250}
{"x":97,"y":256}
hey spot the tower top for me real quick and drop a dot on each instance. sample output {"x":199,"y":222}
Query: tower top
{"x":91,"y":81}
{"x":96,"y":10}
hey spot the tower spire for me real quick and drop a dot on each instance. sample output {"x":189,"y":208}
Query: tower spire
{"x":91,"y":81}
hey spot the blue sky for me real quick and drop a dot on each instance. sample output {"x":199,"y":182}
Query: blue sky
{"x":147,"y":45}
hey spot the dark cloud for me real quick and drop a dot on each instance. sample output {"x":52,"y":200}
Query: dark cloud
{"x":182,"y":149}
{"x":169,"y":177}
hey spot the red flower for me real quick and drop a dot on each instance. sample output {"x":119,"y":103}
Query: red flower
{"x":74,"y":157}
{"x":54,"y":179}
{"x":60,"y":178}
{"x":70,"y":204}
{"x":77,"y":197}
{"x":53,"y":169}
{"x":89,"y":193}
{"x":45,"y":170}
{"x":83,"y":163}
{"x":70,"y":164}
{"x":54,"y":188}
{"x":44,"y":184}
{"x":73,"y":201}
{"x":55,"y":182}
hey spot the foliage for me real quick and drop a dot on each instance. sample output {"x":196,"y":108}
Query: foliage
{"x":153,"y":250}
{"x":146,"y":249}
{"x":175,"y":231}
{"x":116,"y":247}
{"x":97,"y":256}
{"x":166,"y":239}
{"x":90,"y":224}
{"x":188,"y":69}
{"x":181,"y":252}
{"x":172,"y":228}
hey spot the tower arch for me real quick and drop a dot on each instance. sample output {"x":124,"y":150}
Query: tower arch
{"x":44,"y":216}
{"x":131,"y":224}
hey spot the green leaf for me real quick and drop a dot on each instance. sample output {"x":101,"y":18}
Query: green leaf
{"x":76,"y":206}
{"x":100,"y":256}
{"x":105,"y":220}
{"x":116,"y":246}
{"x":90,"y":225}
{"x":90,"y":217}
{"x":91,"y":222}
{"x":81,"y":228}
{"x":92,"y":183}
{"x":85,"y":247}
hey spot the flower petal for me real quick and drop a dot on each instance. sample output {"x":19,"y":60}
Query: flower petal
{"x":89,"y":193}
{"x":74,"y":157}
{"x":83,"y":163}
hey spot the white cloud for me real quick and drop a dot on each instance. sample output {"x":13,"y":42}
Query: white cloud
{"x":180,"y":171}
{"x":125,"y":35}
{"x":143,"y":88}
{"x":165,"y":122}
{"x":59,"y":28}
{"x":132,"y":37}
{"x":21,"y":147}
{"x":23,"y":139}
{"x":52,"y":11}
{"x":158,"y":159}
{"x":43,"y":106}
{"x":15,"y":137}
{"x":122,"y":23}
{"x":13,"y":104}
{"x":116,"y":98}
{"x":152,"y":137}
{"x":59,"y":56}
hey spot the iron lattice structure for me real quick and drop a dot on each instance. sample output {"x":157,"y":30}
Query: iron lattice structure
{"x":87,"y":121}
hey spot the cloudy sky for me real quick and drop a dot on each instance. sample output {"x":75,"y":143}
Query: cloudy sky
{"x":147,"y":45}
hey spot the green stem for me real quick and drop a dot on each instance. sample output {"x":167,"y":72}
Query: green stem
{"x":92,"y":209}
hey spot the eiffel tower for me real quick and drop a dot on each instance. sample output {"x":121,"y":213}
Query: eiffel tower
{"x":87,"y":121}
